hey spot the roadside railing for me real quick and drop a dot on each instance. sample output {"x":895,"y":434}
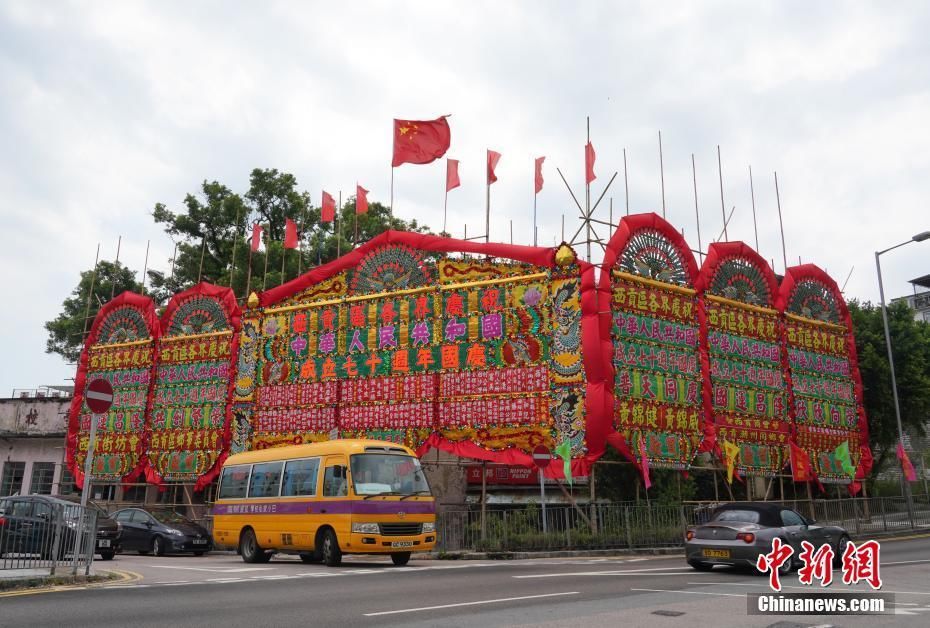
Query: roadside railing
{"x":629,"y":525}
{"x":39,"y":537}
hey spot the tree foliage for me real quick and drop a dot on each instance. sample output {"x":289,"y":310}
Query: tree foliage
{"x":910,"y":342}
{"x":66,"y":331}
{"x":211,"y":231}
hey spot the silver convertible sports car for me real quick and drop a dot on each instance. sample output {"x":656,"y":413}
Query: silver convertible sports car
{"x":738,"y":533}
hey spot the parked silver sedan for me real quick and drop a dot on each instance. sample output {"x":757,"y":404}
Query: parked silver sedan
{"x":738,"y":533}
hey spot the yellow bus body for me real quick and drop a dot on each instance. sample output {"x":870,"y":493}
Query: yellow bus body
{"x":279,"y":521}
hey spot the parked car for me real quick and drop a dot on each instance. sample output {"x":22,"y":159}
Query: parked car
{"x":28,"y":526}
{"x":109,"y":530}
{"x":738,"y":533}
{"x":161,"y":531}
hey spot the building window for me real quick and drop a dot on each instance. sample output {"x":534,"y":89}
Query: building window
{"x":42,"y":475}
{"x":12,"y":481}
{"x":66,"y":483}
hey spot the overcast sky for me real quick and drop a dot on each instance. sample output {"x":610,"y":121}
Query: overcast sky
{"x":107,"y":108}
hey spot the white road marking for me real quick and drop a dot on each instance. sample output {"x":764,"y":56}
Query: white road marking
{"x":814,"y":589}
{"x":905,"y":562}
{"x":497,"y":601}
{"x":215,"y":569}
{"x":691,"y":592}
{"x":631,"y":572}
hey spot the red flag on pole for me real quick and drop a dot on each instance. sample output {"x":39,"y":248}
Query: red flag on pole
{"x":452,"y":174}
{"x":328,"y":212}
{"x":539,"y":177}
{"x":589,"y":158}
{"x":290,"y":234}
{"x":493,"y":158}
{"x":256,"y":236}
{"x":909,"y":473}
{"x":361,"y":200}
{"x":420,"y":141}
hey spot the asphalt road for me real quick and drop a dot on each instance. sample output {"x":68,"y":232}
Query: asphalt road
{"x":221,"y":590}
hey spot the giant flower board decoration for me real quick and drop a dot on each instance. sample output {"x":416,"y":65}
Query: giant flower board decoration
{"x":742,"y":353}
{"x":190,"y":413}
{"x":481,"y":357}
{"x":826,"y":387}
{"x":120,"y":349}
{"x":657,"y":388}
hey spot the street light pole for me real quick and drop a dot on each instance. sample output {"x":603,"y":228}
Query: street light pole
{"x":906,"y":488}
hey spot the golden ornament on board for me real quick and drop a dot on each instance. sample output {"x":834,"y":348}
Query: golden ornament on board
{"x":253,"y":300}
{"x":564,"y":256}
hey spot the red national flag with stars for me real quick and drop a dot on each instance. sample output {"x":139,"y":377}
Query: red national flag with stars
{"x":256,"y":236}
{"x":361,"y":200}
{"x":539,"y":177}
{"x":589,"y":157}
{"x":328,"y":211}
{"x":493,"y":158}
{"x":420,"y":141}
{"x":452,"y":174}
{"x":800,"y":464}
{"x":290,"y":234}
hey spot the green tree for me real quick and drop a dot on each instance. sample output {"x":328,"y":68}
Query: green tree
{"x":910,"y":342}
{"x":66,"y":331}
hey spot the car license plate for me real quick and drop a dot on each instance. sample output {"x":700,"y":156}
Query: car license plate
{"x":716,"y":553}
{"x":402,"y":544}
{"x":200,"y":541}
{"x":103,"y":543}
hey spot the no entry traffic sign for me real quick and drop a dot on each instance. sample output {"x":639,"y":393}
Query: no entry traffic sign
{"x":99,"y":396}
{"x":542,"y":456}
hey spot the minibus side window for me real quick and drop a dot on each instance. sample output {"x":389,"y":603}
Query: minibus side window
{"x":266,"y":479}
{"x":234,"y":483}
{"x":300,"y":477}
{"x":334,"y":481}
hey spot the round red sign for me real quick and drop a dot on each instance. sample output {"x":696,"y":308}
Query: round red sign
{"x":542,"y":456}
{"x":99,"y":396}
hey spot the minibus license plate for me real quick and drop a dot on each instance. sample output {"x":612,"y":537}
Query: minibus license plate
{"x":402,"y":544}
{"x":103,"y":543}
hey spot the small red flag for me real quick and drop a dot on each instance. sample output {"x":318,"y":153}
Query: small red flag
{"x":256,"y":236}
{"x":452,"y":174}
{"x":539,"y":177}
{"x":800,"y":464}
{"x":361,"y":200}
{"x":290,"y":234}
{"x":328,"y":212}
{"x":420,"y":141}
{"x":493,"y":158}
{"x":909,"y":473}
{"x":589,"y":158}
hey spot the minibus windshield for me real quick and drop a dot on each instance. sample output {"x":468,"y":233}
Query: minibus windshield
{"x":387,"y":474}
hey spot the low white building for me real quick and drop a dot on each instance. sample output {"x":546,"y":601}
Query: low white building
{"x":33,"y":425}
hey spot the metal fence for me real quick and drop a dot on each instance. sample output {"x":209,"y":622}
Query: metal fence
{"x":39,"y":537}
{"x":630,"y":525}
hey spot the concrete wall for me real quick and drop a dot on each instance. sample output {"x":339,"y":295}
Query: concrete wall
{"x":32,"y":429}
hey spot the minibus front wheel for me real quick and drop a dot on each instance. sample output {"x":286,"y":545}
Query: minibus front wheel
{"x":332,"y":555}
{"x":249,"y":549}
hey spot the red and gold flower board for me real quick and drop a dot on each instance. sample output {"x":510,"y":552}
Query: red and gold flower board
{"x":481,"y":357}
{"x":190,"y":413}
{"x":657,"y":390}
{"x":120,"y":349}
{"x":741,"y":348}
{"x":826,"y":387}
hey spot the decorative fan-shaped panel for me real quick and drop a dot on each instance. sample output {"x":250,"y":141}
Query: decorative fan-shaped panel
{"x":123,"y":324}
{"x":198,"y":315}
{"x":389,"y":268}
{"x":649,"y":253}
{"x":815,"y":300}
{"x":739,"y":279}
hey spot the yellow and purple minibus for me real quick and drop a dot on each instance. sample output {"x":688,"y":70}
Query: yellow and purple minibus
{"x":323,"y":500}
